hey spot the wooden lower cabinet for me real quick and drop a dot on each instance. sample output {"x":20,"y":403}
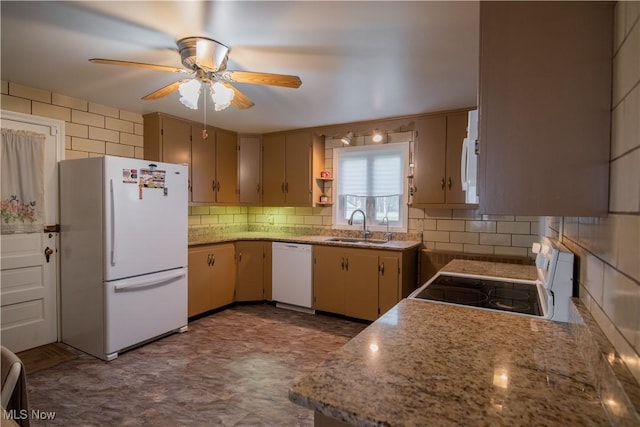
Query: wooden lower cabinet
{"x":254,"y":270}
{"x":328,"y":279}
{"x":361,"y":283}
{"x":212,"y":277}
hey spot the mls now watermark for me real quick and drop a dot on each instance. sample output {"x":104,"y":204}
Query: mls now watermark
{"x":23,"y":414}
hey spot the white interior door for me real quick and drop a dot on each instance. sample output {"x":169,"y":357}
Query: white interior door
{"x":29,"y":279}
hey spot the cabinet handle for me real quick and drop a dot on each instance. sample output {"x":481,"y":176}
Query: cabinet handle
{"x":218,"y":186}
{"x":286,"y":187}
{"x":240,"y":257}
{"x":442,"y":183}
{"x":282,"y":187}
{"x":449,"y":183}
{"x":213,"y":185}
{"x":381,"y":268}
{"x":258,"y":188}
{"x":189,"y":185}
{"x":213,"y":260}
{"x":346,"y":264}
{"x":342,"y":263}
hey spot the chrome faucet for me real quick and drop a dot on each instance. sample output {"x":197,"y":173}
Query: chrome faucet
{"x":365,"y":232}
{"x":385,"y":220}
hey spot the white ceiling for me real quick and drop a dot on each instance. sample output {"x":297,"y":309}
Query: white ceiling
{"x":357,"y":60}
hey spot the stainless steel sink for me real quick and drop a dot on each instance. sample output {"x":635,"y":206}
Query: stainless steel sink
{"x":356,"y":241}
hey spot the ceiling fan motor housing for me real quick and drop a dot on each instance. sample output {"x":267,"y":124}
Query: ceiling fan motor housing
{"x":204,"y":53}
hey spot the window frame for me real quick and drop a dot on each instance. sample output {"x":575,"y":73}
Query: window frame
{"x":372,"y":225}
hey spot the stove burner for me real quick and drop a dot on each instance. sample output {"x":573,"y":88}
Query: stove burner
{"x":460,"y":296}
{"x":509,"y":293}
{"x":506,"y":305}
{"x":484,"y":293}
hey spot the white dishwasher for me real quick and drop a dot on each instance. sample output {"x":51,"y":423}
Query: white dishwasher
{"x":292,"y":278}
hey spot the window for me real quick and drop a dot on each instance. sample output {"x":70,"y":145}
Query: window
{"x":371,"y":178}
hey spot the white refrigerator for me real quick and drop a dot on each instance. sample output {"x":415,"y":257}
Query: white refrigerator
{"x":123,"y":272}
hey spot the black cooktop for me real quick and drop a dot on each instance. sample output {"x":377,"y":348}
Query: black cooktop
{"x":484,"y":293}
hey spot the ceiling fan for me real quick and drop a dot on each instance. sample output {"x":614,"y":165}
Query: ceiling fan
{"x":206,"y":61}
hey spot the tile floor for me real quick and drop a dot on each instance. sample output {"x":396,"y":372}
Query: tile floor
{"x":232,"y":368}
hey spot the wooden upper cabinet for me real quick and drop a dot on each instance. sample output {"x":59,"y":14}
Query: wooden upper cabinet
{"x":249,"y":170}
{"x":226,"y":167}
{"x":545,"y":107}
{"x":430,"y":149}
{"x":213,"y":167}
{"x":167,"y":139}
{"x":456,"y":133}
{"x":203,"y":170}
{"x":273,"y":170}
{"x":290,"y":161}
{"x":298,"y":169}
{"x":438,"y":151}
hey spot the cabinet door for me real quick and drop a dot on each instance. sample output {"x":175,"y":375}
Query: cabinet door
{"x":200,"y":281}
{"x":226,"y":167}
{"x":328,"y":277}
{"x":251,"y":262}
{"x":267,"y":271}
{"x":203,"y":165}
{"x":249,"y":172}
{"x":361,"y":284}
{"x":456,"y":133}
{"x":223,"y":275}
{"x":429,"y":175}
{"x":388,"y":282}
{"x":545,"y":107}
{"x":298,"y":169}
{"x":273,"y":170}
{"x":176,"y":141}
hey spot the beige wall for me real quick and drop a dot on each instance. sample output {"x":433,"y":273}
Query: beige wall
{"x":609,"y":248}
{"x":91,"y":129}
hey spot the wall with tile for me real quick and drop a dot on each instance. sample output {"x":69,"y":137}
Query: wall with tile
{"x":91,"y":129}
{"x":449,"y":230}
{"x":609,"y":248}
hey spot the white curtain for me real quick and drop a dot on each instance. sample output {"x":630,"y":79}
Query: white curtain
{"x":22,"y":162}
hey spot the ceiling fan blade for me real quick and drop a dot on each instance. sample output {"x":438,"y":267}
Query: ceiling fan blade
{"x":140,"y":65}
{"x":261,"y":78}
{"x":164,"y":91}
{"x":240,"y":100}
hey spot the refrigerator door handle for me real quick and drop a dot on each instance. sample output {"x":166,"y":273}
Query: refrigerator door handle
{"x":113,"y":225}
{"x":130,"y":284}
{"x":464,"y":159}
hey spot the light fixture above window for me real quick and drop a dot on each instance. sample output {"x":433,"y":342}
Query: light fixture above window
{"x":377,"y":136}
{"x":347,"y":138}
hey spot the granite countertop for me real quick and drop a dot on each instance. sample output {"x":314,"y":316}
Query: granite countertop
{"x":398,"y":245}
{"x":492,"y":269}
{"x":426,"y":363}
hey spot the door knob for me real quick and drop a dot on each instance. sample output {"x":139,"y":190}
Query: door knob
{"x":47,"y":253}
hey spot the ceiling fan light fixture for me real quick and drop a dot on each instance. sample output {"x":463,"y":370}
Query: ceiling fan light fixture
{"x":221,"y":95}
{"x":347,"y":138}
{"x":190,"y":93}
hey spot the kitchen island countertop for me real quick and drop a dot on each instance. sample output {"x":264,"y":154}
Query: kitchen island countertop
{"x":426,"y":363}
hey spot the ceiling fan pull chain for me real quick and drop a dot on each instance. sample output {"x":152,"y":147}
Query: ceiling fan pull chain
{"x":205,"y":134}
